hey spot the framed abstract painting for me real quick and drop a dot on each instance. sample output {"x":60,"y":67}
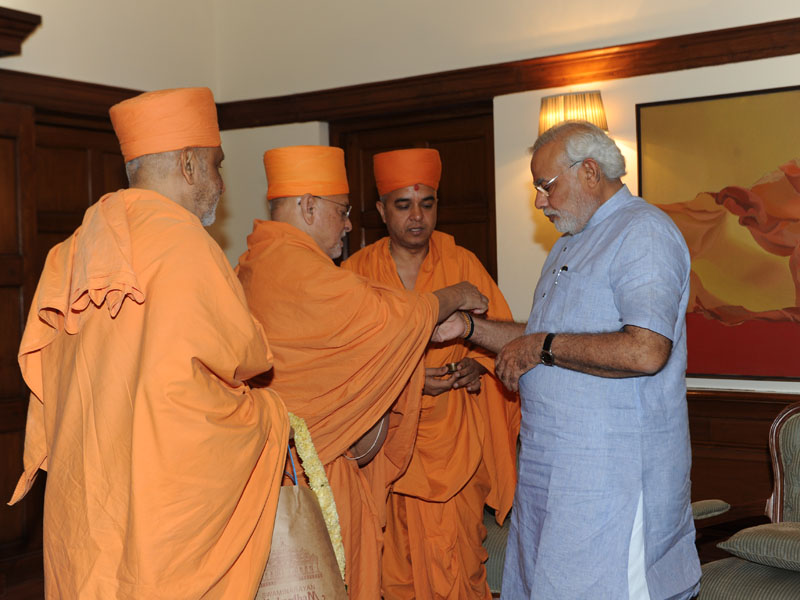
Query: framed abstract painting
{"x":726,"y":169}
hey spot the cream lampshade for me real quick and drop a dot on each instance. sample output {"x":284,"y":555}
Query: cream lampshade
{"x":575,"y":106}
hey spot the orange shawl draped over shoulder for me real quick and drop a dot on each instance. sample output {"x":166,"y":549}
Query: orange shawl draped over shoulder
{"x":345,"y":350}
{"x":163,"y":465}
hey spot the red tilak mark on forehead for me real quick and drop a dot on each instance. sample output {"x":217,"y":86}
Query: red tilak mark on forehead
{"x":416,"y":186}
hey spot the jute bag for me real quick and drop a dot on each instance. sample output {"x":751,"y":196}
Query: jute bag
{"x":302,"y":562}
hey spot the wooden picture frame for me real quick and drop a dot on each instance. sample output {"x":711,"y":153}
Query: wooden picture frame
{"x":727,"y":170}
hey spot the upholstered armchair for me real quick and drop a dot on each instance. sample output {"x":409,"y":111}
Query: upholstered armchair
{"x":766,"y":562}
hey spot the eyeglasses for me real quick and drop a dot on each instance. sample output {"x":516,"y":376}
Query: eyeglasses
{"x":347,"y":207}
{"x":544,"y":188}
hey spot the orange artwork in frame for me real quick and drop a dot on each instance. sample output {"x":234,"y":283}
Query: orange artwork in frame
{"x":727,"y":170}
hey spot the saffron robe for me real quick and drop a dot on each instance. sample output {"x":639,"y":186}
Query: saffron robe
{"x":465,"y":450}
{"x":346,"y":351}
{"x":163,"y":465}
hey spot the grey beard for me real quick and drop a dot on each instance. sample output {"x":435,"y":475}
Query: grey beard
{"x":209,"y":216}
{"x":574,"y":223}
{"x":566,"y":224}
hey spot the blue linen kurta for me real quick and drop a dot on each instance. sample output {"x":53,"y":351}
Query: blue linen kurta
{"x":591,"y":445}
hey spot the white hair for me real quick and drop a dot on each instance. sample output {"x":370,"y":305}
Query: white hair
{"x":583,"y":140}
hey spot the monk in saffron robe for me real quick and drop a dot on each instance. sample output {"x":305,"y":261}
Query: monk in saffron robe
{"x":464,"y":456}
{"x":163,"y":466}
{"x":347,"y":350}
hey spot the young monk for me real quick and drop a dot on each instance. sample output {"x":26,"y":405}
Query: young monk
{"x":464,"y":454}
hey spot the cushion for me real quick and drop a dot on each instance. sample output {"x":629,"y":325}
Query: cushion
{"x":774,"y":545}
{"x":737,"y":579}
{"x":704,"y":509}
{"x":495,"y":544}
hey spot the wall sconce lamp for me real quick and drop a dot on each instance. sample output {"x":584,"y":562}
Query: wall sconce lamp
{"x":575,"y":106}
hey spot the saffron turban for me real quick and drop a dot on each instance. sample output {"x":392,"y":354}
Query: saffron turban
{"x":166,"y":120}
{"x":401,"y":168}
{"x":298,"y":170}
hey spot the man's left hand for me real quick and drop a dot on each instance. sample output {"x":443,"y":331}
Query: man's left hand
{"x":468,"y":375}
{"x":518,"y":357}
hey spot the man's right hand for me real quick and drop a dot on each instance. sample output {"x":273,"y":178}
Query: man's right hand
{"x":472,"y":299}
{"x":461,"y":296}
{"x":436,"y":383}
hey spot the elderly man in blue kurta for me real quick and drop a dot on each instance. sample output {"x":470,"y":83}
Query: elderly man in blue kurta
{"x":602,"y":508}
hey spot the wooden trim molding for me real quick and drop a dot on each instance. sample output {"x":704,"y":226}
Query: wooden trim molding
{"x":15,"y":27}
{"x":776,"y":398}
{"x":59,"y":101}
{"x":462,"y":86}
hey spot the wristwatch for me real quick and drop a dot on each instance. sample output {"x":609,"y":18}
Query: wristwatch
{"x":547,"y":355}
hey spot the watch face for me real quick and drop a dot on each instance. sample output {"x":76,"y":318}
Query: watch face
{"x":547,"y":358}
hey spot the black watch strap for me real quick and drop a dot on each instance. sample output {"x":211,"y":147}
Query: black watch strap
{"x":547,"y":357}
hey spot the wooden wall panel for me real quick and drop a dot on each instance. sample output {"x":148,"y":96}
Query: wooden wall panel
{"x":48,"y":177}
{"x":16,"y":235}
{"x":9,"y":233}
{"x":11,"y":300}
{"x":20,"y":531}
{"x":74,"y":168}
{"x":730,"y":445}
{"x":62,"y":178}
{"x":13,"y":522}
{"x":112,"y":171}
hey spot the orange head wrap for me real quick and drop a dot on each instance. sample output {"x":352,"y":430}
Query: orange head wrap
{"x":166,"y":120}
{"x":401,"y":168}
{"x":298,"y":170}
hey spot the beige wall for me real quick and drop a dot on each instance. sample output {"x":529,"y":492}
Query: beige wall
{"x":144,"y":45}
{"x":341,"y":43}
